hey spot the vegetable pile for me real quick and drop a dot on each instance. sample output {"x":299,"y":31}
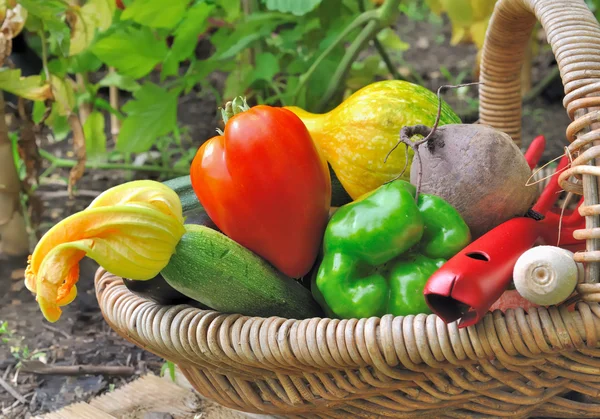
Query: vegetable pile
{"x":296,"y":215}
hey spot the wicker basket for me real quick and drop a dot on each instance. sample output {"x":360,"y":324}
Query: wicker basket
{"x":542,"y":363}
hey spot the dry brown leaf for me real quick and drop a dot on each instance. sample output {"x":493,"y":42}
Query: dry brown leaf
{"x":10,"y":185}
{"x":17,"y":274}
{"x":14,"y":22}
{"x":5,"y":48}
{"x":35,"y":209}
{"x":79,"y":149}
{"x":28,"y":148}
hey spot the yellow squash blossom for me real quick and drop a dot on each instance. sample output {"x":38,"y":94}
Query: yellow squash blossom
{"x":131,"y":230}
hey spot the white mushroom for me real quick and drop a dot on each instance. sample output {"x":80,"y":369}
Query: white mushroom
{"x":546,"y":275}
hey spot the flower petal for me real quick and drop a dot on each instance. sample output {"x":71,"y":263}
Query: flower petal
{"x":130,"y":230}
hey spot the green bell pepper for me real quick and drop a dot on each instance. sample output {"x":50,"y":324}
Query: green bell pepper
{"x":380,"y":250}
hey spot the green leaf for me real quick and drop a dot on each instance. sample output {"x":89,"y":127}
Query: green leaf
{"x":364,"y":72}
{"x":170,"y":67}
{"x":126,"y":83}
{"x":46,"y":9}
{"x":32,"y":87}
{"x":151,"y":114}
{"x":186,"y":34}
{"x":296,"y":7}
{"x":292,"y":38}
{"x":95,"y":136}
{"x":320,"y":80}
{"x":102,"y":11}
{"x":59,"y":67}
{"x":390,"y":39}
{"x":59,"y":37}
{"x":99,"y":103}
{"x":133,"y":51}
{"x":186,"y":37}
{"x":232,"y":9}
{"x":64,"y":94}
{"x":229,"y":43}
{"x":94,"y":15}
{"x":330,"y":11}
{"x":39,"y":109}
{"x":85,"y":62}
{"x":265,"y":68}
{"x":156,"y":13}
{"x":59,"y":123}
{"x":236,"y":82}
{"x":201,"y":69}
{"x":168,"y":366}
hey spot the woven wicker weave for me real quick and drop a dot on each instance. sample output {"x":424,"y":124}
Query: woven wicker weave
{"x":544,"y":363}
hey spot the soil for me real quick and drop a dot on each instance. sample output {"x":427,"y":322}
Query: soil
{"x":82,"y":337}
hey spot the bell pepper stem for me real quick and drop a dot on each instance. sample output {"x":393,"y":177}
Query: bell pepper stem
{"x":233,"y":107}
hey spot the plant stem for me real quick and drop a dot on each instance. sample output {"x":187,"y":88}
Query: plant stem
{"x":351,"y":53}
{"x":360,"y":20}
{"x":381,"y":49}
{"x":387,"y":60}
{"x":44,"y":41}
{"x":278,"y":92}
{"x":13,"y":231}
{"x":113,"y":95}
{"x":385,"y":15}
{"x":536,"y":90}
{"x":85,"y":109}
{"x":67,"y":163}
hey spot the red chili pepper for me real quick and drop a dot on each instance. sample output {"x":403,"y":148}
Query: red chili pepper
{"x":466,"y":286}
{"x":552,"y":224}
{"x":535,"y":150}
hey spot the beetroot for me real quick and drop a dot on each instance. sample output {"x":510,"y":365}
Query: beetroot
{"x":477,"y":169}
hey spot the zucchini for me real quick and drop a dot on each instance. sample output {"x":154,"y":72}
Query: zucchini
{"x":214,"y":270}
{"x":183,"y":188}
{"x":157,"y":289}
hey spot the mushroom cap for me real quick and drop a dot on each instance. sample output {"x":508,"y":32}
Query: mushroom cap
{"x":546,"y":275}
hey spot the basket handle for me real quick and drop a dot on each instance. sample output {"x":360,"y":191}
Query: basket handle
{"x":574,"y":35}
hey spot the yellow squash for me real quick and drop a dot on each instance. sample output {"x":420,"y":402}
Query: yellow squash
{"x":356,"y":136}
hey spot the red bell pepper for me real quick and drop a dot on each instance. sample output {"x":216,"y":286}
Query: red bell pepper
{"x":265,"y":185}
